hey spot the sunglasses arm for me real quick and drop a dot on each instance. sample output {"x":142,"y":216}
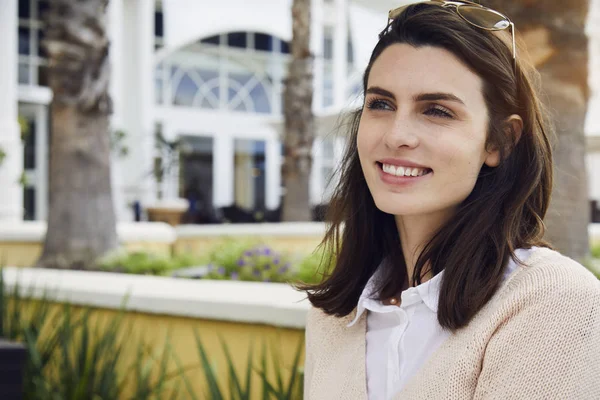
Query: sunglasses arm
{"x":514,"y":43}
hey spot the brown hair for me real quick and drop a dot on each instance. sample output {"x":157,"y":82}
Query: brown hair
{"x":503,"y":212}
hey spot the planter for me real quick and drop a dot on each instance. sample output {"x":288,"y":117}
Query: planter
{"x":157,"y":309}
{"x":170,"y":211}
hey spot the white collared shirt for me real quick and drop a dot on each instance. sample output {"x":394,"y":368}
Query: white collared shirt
{"x":400,"y":339}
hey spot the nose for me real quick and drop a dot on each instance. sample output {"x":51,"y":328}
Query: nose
{"x":402,"y":133}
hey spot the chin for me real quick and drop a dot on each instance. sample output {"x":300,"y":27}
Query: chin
{"x":395,"y":207}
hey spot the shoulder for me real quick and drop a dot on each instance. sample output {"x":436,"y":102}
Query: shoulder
{"x":548,"y":277}
{"x":318,"y":320}
{"x":545,"y":267}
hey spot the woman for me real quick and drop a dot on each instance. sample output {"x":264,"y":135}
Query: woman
{"x":443,"y":287}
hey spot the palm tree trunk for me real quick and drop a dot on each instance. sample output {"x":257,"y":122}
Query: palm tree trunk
{"x":299,"y":120}
{"x":554,"y":32}
{"x":81,"y":217}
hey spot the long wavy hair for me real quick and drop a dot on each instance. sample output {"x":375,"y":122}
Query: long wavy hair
{"x":504,"y":211}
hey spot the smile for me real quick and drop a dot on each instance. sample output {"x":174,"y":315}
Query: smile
{"x":400,"y":171}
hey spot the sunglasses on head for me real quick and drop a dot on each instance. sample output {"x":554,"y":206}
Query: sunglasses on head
{"x":473,"y":13}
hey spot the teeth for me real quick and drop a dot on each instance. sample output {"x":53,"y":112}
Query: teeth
{"x":402,"y":171}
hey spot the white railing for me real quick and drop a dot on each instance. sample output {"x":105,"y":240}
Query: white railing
{"x":35,"y":231}
{"x":280,"y":229}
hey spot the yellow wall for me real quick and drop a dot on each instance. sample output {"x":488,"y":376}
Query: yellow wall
{"x":19,"y":254}
{"x":238,"y":336}
{"x":302,"y":245}
{"x":25,"y":254}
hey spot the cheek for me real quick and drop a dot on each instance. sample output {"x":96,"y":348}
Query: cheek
{"x":461,"y":155}
{"x":363,"y":142}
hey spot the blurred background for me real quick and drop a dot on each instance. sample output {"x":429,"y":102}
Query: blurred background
{"x":196,"y":139}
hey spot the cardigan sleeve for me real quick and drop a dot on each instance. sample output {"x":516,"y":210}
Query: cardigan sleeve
{"x":308,"y":356}
{"x":549,"y":346}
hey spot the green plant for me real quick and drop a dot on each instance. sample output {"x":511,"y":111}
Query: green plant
{"x":286,"y":386}
{"x":293,"y":389}
{"x":117,"y":143}
{"x":2,"y":155}
{"x":146,"y":263}
{"x":78,"y":355}
{"x":315,"y":266}
{"x":595,"y":251}
{"x":249,"y":261}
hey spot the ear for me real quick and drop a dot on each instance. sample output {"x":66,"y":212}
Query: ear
{"x":513,"y":128}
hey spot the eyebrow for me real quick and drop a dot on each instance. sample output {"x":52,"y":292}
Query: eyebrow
{"x":420,"y":97}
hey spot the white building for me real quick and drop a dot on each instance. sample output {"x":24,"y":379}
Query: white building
{"x":208,"y":74}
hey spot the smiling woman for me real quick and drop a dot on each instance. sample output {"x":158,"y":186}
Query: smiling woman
{"x":443,"y":286}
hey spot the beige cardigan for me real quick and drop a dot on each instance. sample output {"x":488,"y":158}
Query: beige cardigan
{"x":537,"y":338}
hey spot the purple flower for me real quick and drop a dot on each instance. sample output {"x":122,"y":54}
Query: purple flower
{"x":284,"y":269}
{"x":256,"y":273}
{"x":235,"y":276}
{"x":221,"y":271}
{"x":276,"y":261}
{"x":241,"y":262}
{"x":266,"y":251}
{"x":248,"y":253}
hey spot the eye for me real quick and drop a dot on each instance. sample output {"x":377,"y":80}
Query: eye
{"x":378,"y":104}
{"x":436,"y":110}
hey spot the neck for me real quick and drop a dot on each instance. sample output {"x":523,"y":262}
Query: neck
{"x":415,"y":231}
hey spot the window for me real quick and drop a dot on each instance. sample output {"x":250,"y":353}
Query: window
{"x":29,"y":203}
{"x":24,"y":41}
{"x":186,"y":91}
{"x":328,"y":168}
{"x":24,"y":9}
{"x":263,"y":42}
{"x":159,"y":33}
{"x":350,"y":51}
{"x":211,"y":40}
{"x":234,"y":71}
{"x":249,"y":40}
{"x":250,"y":177}
{"x":32,"y":68}
{"x":327,"y":84}
{"x":29,"y":159}
{"x":328,"y":43}
{"x":237,"y":39}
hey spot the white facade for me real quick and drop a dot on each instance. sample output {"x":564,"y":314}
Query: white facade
{"x":209,"y":75}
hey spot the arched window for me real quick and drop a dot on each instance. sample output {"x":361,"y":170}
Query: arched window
{"x":235,"y":71}
{"x":249,"y":40}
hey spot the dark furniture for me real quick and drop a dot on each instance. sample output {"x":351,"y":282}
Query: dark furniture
{"x":12,"y":360}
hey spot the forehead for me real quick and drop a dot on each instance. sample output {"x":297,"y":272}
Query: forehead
{"x":406,"y":70}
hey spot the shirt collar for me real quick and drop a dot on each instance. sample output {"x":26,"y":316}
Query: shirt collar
{"x":428,"y":291}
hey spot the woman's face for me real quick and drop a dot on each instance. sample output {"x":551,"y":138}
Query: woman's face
{"x":422,"y":134}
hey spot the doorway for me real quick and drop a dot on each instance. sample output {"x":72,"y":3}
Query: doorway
{"x":196,"y":178}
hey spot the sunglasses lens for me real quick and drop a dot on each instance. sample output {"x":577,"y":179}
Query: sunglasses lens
{"x":483,"y":17}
